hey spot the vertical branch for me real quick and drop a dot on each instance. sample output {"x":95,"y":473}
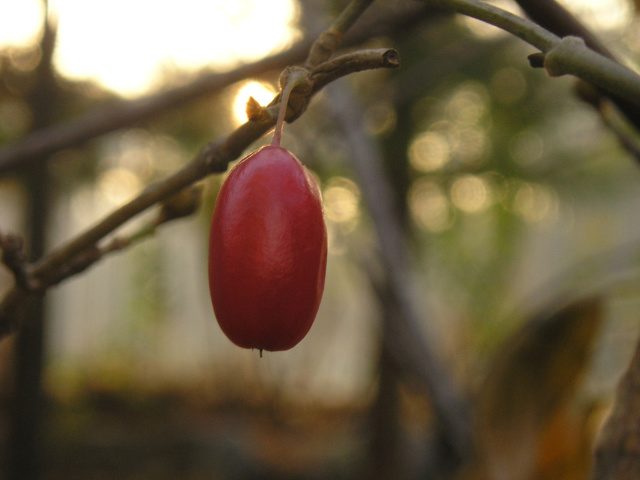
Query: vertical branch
{"x":412,"y":353}
{"x":25,"y":449}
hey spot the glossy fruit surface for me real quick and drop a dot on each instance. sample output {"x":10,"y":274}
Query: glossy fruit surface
{"x":267,"y":251}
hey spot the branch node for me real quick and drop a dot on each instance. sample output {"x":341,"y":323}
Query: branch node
{"x":15,"y":259}
{"x":324,"y":47}
{"x":182,"y":204}
{"x":555,"y":61}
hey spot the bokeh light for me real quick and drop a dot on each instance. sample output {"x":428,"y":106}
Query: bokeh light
{"x":429,"y":151}
{"x":526,"y":147}
{"x":535,"y":203}
{"x":470,"y":193}
{"x":508,"y":85}
{"x":341,"y":199}
{"x":468,"y":104}
{"x":117,"y":185}
{"x":380,"y":118}
{"x":430,"y":207}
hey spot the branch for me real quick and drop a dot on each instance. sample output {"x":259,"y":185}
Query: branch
{"x":37,"y":146}
{"x":15,"y":259}
{"x":572,"y":56}
{"x":555,"y":18}
{"x":213,"y":158}
{"x":82,"y":251}
{"x":330,"y":39}
{"x":568,"y":55}
{"x":404,"y":338}
{"x":100,"y":121}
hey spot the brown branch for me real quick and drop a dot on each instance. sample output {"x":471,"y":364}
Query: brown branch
{"x":82,"y":251}
{"x":15,"y":259}
{"x":103,"y":120}
{"x":330,"y":39}
{"x":213,"y":158}
{"x":38,"y":145}
{"x":618,"y":451}
{"x":411,"y":352}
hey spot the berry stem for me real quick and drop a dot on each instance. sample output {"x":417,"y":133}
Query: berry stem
{"x":284,"y":101}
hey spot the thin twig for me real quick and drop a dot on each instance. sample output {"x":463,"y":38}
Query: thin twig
{"x":38,"y":145}
{"x":124,"y":113}
{"x":329,"y":40}
{"x":14,"y":258}
{"x":213,"y":158}
{"x":520,"y":27}
{"x":82,"y":251}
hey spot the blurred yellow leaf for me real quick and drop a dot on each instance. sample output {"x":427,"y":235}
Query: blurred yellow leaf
{"x":525,"y":429}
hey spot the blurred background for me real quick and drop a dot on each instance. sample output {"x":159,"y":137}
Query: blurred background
{"x":511,"y":195}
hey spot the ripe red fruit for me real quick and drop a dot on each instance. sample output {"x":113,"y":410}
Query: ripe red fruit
{"x":267,"y":251}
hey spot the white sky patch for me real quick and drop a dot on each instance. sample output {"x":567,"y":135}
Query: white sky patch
{"x":126,"y":44}
{"x":20,"y":22}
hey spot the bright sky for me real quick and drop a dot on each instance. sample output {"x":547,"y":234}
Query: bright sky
{"x":126,"y":44}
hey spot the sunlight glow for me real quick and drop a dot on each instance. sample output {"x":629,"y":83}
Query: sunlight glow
{"x":598,"y":14}
{"x":20,"y":22}
{"x":601,"y":14}
{"x":132,"y":45}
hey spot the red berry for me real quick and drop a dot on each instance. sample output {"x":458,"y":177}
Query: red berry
{"x":267,"y":251}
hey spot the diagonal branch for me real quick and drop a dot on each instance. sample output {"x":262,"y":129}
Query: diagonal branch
{"x":555,"y":18}
{"x":35,"y":147}
{"x":213,"y":158}
{"x":410,"y":350}
{"x":41,"y":143}
{"x":82,"y":251}
{"x":570,"y":55}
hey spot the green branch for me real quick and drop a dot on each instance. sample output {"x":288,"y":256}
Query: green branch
{"x":564,"y":56}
